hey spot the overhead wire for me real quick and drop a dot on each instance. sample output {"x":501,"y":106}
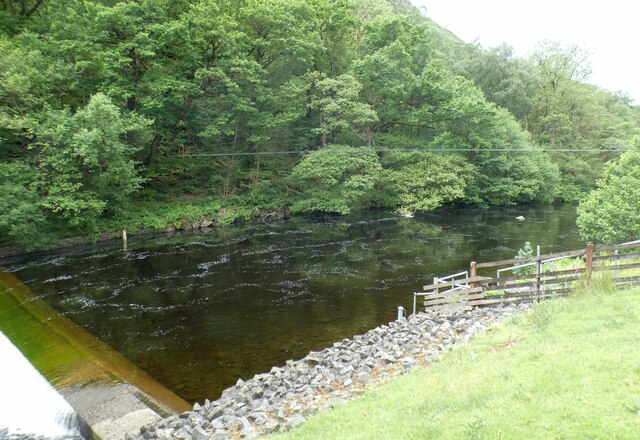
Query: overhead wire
{"x":420,"y":150}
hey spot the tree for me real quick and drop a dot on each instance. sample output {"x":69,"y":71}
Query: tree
{"x":89,"y":88}
{"x":23,"y":8}
{"x":507,"y":81}
{"x":22,"y":219}
{"x":30,"y":84}
{"x":507,"y":167}
{"x":339,"y":103}
{"x":611,"y":213}
{"x":87,"y":168}
{"x":335,"y":179}
{"x":420,"y":181}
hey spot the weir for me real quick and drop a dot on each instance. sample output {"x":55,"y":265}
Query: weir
{"x":111,"y":396}
{"x":30,"y":407}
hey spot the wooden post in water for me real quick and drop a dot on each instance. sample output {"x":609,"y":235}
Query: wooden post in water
{"x":124,"y":238}
{"x":588,"y":262}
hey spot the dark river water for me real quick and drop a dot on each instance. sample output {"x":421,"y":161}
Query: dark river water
{"x":197,"y":312}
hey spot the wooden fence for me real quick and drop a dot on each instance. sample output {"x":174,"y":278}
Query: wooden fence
{"x":533,"y":278}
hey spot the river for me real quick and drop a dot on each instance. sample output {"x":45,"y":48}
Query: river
{"x":198,"y":311}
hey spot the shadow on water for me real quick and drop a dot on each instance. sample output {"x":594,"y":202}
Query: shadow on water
{"x":197,"y":312}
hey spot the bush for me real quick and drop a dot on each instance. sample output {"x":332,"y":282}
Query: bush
{"x":335,"y":179}
{"x":160,"y":216}
{"x":523,"y":253}
{"x":22,"y":220}
{"x":611,"y":213}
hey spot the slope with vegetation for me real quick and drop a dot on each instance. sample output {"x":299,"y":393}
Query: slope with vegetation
{"x":105,"y":107}
{"x":566,"y":369}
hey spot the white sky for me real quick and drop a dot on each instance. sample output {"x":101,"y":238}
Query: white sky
{"x":609,"y":31}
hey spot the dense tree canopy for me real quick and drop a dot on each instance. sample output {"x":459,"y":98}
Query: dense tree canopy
{"x":328,"y":105}
{"x":87,"y":168}
{"x":611,"y":213}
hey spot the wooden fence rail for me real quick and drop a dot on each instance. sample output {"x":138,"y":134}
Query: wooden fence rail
{"x":474,"y":290}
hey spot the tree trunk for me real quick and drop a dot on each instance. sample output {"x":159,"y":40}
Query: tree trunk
{"x":153,"y":151}
{"x":132,"y":103}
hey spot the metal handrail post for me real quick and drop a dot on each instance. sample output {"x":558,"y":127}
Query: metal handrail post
{"x":415,"y":297}
{"x":538,"y":270}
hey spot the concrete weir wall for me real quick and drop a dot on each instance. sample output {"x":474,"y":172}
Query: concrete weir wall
{"x":111,"y":396}
{"x":287,"y":395}
{"x":30,"y":407}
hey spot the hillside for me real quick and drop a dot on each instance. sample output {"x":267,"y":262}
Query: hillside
{"x":157,"y":114}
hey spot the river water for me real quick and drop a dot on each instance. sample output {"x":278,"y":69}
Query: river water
{"x":199,"y":311}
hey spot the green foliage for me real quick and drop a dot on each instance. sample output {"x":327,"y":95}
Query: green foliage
{"x":156,"y":216}
{"x":505,"y":80}
{"x":234,"y":214}
{"x":469,"y":121}
{"x":515,"y":176}
{"x":611,"y":213}
{"x":90,"y":89}
{"x":542,"y":314}
{"x":22,"y":219}
{"x":335,"y":179}
{"x":547,"y":95}
{"x":420,"y":181}
{"x":340,"y":108}
{"x":567,"y":114}
{"x":87,"y":168}
{"x":524,"y":252}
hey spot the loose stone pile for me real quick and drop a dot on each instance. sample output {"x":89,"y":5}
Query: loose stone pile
{"x":286,"y":396}
{"x":6,"y":435}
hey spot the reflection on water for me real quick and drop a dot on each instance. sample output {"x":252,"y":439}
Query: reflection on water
{"x":199,"y":311}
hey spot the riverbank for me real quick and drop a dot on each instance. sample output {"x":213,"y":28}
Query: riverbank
{"x":196,"y":214}
{"x":566,"y":369}
{"x":286,"y":396}
{"x":200,"y":214}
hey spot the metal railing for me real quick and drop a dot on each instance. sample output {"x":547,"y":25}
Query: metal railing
{"x":540,"y":263}
{"x":452,"y":277}
{"x":442,"y":280}
{"x":481,"y":290}
{"x":450,"y":292}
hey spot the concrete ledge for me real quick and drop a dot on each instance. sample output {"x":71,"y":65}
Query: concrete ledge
{"x":108,"y":393}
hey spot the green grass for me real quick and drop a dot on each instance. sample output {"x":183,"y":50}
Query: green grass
{"x":569,"y":369}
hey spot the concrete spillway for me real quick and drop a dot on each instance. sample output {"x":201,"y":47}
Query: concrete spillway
{"x":110,"y":396}
{"x":29,"y":405}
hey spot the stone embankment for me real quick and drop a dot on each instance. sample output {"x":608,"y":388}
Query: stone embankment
{"x":286,"y":396}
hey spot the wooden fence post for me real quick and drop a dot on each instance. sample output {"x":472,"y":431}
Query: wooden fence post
{"x":473,"y":271}
{"x":588,"y":262}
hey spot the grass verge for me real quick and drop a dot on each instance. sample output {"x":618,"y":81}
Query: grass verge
{"x":569,"y":368}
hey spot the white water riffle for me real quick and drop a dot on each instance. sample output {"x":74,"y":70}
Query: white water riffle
{"x":29,"y":406}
